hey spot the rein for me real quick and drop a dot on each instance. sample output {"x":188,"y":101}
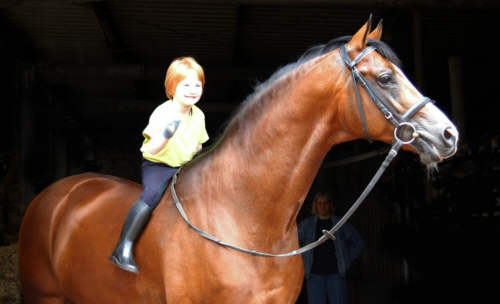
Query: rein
{"x":401,"y":123}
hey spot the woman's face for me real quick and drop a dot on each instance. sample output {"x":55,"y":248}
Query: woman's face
{"x":189,"y":90}
{"x":323,"y":207}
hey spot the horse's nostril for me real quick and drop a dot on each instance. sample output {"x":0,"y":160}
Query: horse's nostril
{"x":449,"y":135}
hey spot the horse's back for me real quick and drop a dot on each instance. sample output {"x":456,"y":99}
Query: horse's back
{"x":68,"y":228}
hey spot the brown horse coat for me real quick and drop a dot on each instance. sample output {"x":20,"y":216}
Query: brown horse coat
{"x":247,"y":191}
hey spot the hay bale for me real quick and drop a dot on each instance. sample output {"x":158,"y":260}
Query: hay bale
{"x":10,"y":287}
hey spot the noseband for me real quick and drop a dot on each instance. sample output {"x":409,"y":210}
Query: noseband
{"x":401,"y":123}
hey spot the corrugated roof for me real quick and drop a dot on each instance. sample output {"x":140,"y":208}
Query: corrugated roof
{"x":239,"y":42}
{"x":215,"y":32}
{"x":61,"y":32}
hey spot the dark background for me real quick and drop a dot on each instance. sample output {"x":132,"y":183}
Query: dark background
{"x":80,"y":78}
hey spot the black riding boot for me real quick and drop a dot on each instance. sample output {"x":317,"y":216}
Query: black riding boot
{"x":137,"y":218}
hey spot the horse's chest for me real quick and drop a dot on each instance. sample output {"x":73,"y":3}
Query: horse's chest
{"x":152,"y":296}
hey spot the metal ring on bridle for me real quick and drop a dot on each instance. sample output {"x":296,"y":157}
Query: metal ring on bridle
{"x":413,"y":134}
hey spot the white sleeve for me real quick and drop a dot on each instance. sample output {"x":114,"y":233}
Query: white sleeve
{"x":158,"y":121}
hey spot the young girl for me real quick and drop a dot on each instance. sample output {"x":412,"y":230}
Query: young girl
{"x":175,"y":133}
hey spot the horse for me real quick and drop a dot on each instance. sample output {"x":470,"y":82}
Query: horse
{"x":246,"y":189}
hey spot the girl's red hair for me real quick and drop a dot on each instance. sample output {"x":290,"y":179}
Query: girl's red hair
{"x":178,"y":70}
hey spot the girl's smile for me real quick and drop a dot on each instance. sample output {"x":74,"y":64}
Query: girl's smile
{"x":188,"y":91}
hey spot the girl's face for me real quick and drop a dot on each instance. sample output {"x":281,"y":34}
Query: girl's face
{"x":189,"y":90}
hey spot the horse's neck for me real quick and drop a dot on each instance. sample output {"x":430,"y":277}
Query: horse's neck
{"x":266,"y":165}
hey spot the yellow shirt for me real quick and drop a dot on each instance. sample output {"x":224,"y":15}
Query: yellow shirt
{"x":181,"y":147}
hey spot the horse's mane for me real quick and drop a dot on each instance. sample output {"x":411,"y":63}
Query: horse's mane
{"x":256,"y":99}
{"x":317,"y":51}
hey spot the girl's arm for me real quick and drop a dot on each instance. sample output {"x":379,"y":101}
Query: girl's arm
{"x":155,"y":144}
{"x":158,"y":141}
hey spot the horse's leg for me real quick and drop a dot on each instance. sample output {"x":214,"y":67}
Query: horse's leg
{"x":38,"y":284}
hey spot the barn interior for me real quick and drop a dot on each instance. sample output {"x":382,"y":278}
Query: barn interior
{"x":80,"y":78}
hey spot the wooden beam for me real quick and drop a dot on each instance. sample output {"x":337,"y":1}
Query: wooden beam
{"x":352,"y":3}
{"x":121,"y":52}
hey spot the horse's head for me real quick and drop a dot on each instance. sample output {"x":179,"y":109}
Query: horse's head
{"x":393,"y":107}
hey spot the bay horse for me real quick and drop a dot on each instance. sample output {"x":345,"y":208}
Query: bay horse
{"x":247,"y":190}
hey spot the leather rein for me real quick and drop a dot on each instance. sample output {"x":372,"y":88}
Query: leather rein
{"x":402,"y":129}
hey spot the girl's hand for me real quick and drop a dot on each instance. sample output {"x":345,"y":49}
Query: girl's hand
{"x":198,"y":149}
{"x":158,"y":141}
{"x":170,"y":129}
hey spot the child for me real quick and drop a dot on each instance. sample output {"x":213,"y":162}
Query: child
{"x":175,"y":133}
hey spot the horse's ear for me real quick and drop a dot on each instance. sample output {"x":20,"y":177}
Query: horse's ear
{"x":359,"y":40}
{"x":376,"y":34}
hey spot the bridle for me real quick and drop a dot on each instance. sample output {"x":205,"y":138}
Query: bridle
{"x":401,"y":123}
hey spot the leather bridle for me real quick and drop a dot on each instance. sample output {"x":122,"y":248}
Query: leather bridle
{"x":399,"y":121}
{"x":403,"y":127}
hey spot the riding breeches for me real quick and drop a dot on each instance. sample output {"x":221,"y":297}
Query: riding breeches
{"x":155,"y":179}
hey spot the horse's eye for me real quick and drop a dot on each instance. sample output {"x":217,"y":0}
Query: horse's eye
{"x":385,"y":79}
